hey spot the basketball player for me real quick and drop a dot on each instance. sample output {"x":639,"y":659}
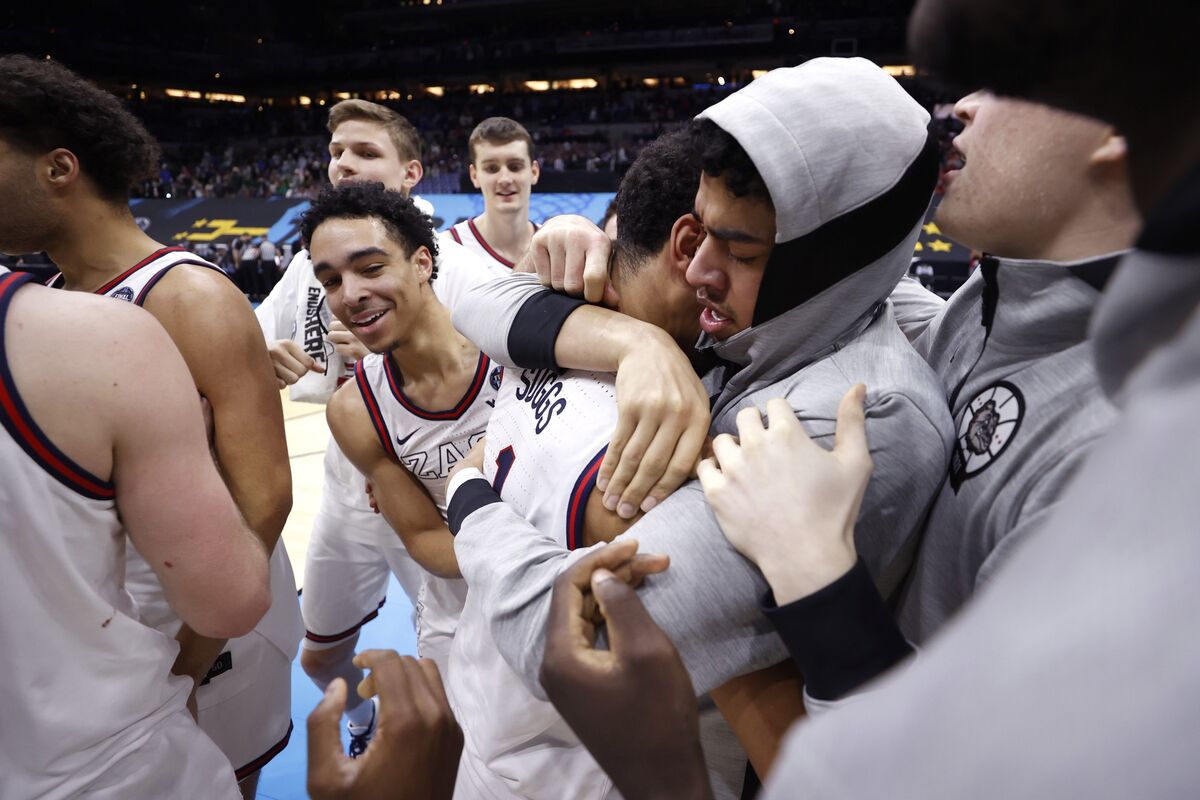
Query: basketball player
{"x":544,"y":443}
{"x":81,"y":152}
{"x":421,"y":401}
{"x":779,"y":326}
{"x":504,"y":171}
{"x":352,"y":550}
{"x":90,"y":707}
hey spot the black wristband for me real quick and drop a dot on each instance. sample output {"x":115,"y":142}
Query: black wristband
{"x":535,"y":329}
{"x":469,"y":498}
{"x":841,"y":636}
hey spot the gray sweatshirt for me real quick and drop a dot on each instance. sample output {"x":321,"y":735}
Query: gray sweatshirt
{"x":1012,"y":352}
{"x":1073,"y":672}
{"x":838,"y":330}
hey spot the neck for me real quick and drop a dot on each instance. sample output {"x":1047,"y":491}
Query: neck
{"x":433,"y":350}
{"x":1104,"y":222}
{"x":508,"y":234}
{"x":99,"y":242}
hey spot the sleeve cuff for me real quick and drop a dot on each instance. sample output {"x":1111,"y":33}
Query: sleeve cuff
{"x":841,"y":636}
{"x":535,"y":329}
{"x":466,"y":496}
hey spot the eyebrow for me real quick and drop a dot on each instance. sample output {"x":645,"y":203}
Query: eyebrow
{"x":352,"y":143}
{"x":322,"y":266}
{"x":728,"y":234}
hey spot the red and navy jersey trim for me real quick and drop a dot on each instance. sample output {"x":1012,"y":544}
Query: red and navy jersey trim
{"x":368,"y":396}
{"x":396,"y":382}
{"x":454,"y":234}
{"x":141,"y":298}
{"x":577,"y":507}
{"x":115,"y":282}
{"x":353,"y":629}
{"x":25,"y":432}
{"x":487,"y":247}
{"x":243,"y":772}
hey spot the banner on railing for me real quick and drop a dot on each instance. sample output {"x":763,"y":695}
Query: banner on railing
{"x":217,"y":221}
{"x":220,"y":221}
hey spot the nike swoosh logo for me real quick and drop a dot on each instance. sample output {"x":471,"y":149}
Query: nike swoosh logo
{"x":400,"y":441}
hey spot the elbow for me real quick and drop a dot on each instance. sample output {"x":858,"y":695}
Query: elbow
{"x":239,"y":614}
{"x":235,"y":608}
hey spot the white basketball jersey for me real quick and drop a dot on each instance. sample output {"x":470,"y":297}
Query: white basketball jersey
{"x":468,"y":235}
{"x":545,"y":441}
{"x":428,"y":443}
{"x":281,"y":625}
{"x":87,"y":686}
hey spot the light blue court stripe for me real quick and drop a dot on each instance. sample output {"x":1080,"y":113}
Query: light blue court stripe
{"x":284,"y":778}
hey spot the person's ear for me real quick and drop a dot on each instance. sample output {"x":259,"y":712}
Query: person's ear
{"x":423,"y":261}
{"x":686,"y":235}
{"x":474,"y":176}
{"x":413,"y":172}
{"x":535,"y":171}
{"x":1112,"y":150}
{"x":59,"y":168}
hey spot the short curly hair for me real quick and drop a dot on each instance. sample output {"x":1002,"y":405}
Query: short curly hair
{"x":44,"y":106}
{"x":659,"y":188}
{"x":403,"y":220}
{"x":720,"y":155}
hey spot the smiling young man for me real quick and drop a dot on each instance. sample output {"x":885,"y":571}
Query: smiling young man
{"x":76,"y":153}
{"x":352,"y":550}
{"x":421,"y":400}
{"x":504,"y":171}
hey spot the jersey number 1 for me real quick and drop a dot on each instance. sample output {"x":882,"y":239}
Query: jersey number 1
{"x":504,"y":462}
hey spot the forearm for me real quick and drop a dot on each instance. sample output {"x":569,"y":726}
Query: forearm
{"x":434,"y":551}
{"x":493,"y":313}
{"x":707,"y":602}
{"x":760,"y":708}
{"x":511,"y":567}
{"x":841,"y":636}
{"x":595,"y":339}
{"x":196,"y":654}
{"x":265,"y":503}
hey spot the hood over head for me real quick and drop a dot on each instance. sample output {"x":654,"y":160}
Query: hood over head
{"x":850,"y":163}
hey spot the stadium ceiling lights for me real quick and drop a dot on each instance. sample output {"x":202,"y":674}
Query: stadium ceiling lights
{"x":569,"y":83}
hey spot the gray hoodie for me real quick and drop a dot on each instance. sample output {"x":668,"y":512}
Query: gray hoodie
{"x":847,"y":159}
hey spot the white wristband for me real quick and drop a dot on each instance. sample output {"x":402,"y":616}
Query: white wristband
{"x":462,"y":476}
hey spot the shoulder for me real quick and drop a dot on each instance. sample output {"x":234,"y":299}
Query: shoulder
{"x":99,"y":327}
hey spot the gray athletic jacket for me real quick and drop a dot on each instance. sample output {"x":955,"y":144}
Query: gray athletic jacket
{"x":1012,"y":352}
{"x":1073,"y":673}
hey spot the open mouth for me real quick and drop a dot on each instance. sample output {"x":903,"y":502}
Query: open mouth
{"x":367,"y":318}
{"x":715,"y":323}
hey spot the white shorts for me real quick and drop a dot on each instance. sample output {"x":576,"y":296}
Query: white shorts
{"x":438,"y":607}
{"x":350,"y":555}
{"x":246,"y":705}
{"x":177,"y":762}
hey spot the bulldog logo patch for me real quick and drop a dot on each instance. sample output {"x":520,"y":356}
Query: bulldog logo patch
{"x":985,"y":428}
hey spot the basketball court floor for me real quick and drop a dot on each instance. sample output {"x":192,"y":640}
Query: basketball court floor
{"x":307,"y":436}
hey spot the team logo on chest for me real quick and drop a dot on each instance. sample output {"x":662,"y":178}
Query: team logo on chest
{"x":124,"y":293}
{"x":986,"y":427}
